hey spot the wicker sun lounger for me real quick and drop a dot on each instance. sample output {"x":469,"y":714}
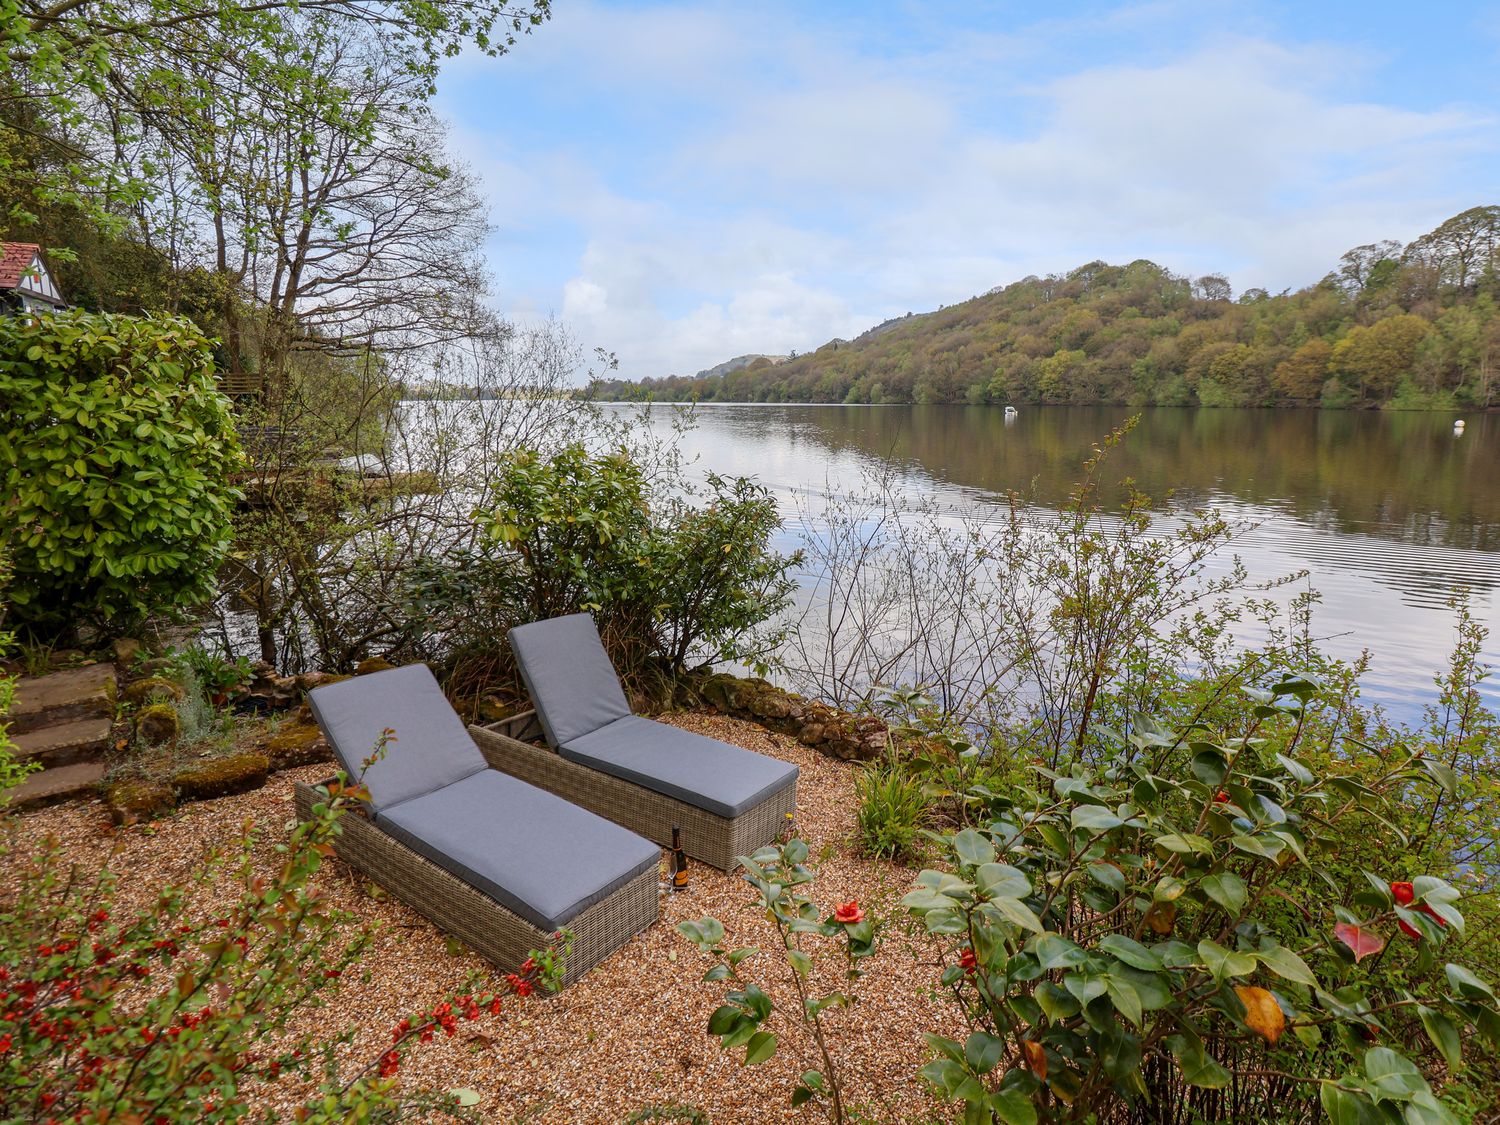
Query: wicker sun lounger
{"x":644,"y":775}
{"x":498,"y":863}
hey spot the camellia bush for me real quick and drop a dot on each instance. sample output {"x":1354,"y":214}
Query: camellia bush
{"x":781,"y":877}
{"x":117,"y":449}
{"x":1166,"y":932}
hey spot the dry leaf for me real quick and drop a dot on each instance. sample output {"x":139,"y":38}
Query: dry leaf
{"x":1262,"y":1014}
{"x":1036,"y":1058}
{"x":1160,"y":917}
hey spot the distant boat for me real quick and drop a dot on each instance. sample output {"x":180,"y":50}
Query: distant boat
{"x":1011,"y":412}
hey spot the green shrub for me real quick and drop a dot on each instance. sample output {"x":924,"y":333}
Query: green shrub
{"x":1166,"y":928}
{"x":12,"y":772}
{"x":667,"y":579}
{"x":196,"y":1004}
{"x":117,"y":450}
{"x":893,"y":811}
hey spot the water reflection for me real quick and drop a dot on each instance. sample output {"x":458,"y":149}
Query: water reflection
{"x":1390,"y":512}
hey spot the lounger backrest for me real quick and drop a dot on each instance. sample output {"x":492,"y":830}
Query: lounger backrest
{"x":568,"y":675}
{"x":431,"y":748}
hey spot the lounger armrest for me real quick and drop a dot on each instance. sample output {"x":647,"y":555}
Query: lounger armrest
{"x":524,"y":726}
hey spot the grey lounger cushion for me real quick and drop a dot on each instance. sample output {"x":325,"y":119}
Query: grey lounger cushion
{"x":703,"y":772}
{"x":568,"y":676}
{"x":432,"y":747}
{"x":535,"y":854}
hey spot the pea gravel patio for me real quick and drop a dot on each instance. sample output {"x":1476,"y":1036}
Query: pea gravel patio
{"x":630,"y":1033}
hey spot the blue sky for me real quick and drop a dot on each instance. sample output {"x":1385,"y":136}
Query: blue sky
{"x":682,"y":183}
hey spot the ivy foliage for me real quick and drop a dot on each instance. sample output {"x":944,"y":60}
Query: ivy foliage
{"x":117,"y":450}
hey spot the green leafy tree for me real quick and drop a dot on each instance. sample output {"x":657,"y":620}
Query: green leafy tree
{"x":99,"y":69}
{"x":118,"y":450}
{"x":1372,"y":360}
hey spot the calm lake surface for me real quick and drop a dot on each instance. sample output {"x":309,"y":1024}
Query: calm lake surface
{"x":1390,"y":513}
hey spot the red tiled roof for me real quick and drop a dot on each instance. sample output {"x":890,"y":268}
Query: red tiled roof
{"x":17,"y":260}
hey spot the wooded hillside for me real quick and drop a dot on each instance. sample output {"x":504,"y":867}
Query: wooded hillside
{"x":1409,"y":327}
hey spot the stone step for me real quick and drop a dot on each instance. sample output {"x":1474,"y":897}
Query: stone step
{"x":78,"y":693}
{"x":60,"y":784}
{"x":64,"y":743}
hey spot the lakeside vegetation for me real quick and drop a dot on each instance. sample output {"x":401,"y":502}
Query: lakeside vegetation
{"x":1169,"y":876}
{"x":1414,"y":327}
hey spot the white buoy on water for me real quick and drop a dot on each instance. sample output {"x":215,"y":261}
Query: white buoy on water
{"x":1458,"y":427}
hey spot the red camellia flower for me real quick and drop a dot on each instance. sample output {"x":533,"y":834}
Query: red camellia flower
{"x":968,"y":961}
{"x":1403,"y":893}
{"x":848,"y":913}
{"x":1221,"y":797}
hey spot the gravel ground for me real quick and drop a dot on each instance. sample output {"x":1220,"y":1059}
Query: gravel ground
{"x":631,"y":1033}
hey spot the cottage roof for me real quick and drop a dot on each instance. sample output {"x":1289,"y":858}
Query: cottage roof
{"x":17,"y":259}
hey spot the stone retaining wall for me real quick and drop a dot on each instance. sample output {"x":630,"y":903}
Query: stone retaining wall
{"x":836,"y":733}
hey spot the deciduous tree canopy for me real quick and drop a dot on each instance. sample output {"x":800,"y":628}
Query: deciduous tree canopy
{"x":1413,"y":327}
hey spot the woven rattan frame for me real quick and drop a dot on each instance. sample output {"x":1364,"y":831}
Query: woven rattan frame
{"x":713,"y":839}
{"x":471,"y":915}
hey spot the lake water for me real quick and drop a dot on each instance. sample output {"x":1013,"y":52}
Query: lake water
{"x":1391,"y":513}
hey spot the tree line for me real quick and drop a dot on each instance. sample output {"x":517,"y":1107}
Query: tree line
{"x":1411,"y":327}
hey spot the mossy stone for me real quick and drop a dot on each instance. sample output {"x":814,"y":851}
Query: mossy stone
{"x":152,"y":688}
{"x":157,"y":723}
{"x":297,"y":744}
{"x":238,"y":773}
{"x":131,"y":802}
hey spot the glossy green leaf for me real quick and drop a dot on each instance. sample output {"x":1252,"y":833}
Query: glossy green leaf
{"x":1131,"y":952}
{"x":1056,"y":952}
{"x":1286,"y":964}
{"x":761,"y":1047}
{"x":1225,"y":964}
{"x":1228,"y":890}
{"x":1444,"y":1035}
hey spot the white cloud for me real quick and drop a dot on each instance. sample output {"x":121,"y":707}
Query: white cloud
{"x":782,"y":185}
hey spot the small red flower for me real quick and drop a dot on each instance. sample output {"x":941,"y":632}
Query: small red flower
{"x":848,"y":913}
{"x":331,"y":974}
{"x":1221,"y":798}
{"x":528,"y":965}
{"x":495,"y":1006}
{"x":390,"y":1062}
{"x":1431,"y":913}
{"x":1409,"y":930}
{"x":968,"y":961}
{"x":1403,"y":893}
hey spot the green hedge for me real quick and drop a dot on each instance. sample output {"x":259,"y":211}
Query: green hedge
{"x":116,"y":448}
